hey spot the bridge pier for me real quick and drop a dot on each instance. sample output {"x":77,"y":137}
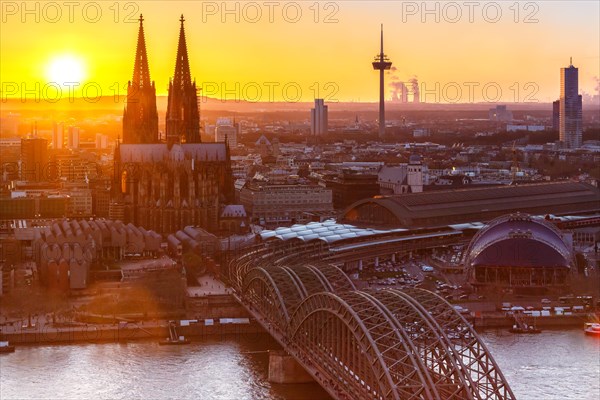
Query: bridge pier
{"x":283,"y":368}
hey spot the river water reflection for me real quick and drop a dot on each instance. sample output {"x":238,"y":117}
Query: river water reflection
{"x":552,"y":365}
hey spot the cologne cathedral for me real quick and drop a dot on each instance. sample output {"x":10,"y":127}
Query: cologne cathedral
{"x":165,"y":185}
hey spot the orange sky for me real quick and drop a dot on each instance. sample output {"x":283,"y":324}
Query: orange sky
{"x":255,"y":53}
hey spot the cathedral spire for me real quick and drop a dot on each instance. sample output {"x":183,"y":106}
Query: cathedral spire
{"x":182,"y":75}
{"x":183,"y":117}
{"x":140,"y":117}
{"x":141,"y":72}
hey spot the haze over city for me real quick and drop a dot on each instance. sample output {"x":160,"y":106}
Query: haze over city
{"x":328,"y":200}
{"x":237,"y":43}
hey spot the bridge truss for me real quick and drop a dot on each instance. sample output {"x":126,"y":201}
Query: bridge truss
{"x":365,"y":344}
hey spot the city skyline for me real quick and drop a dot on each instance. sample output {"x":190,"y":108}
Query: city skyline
{"x":308,"y":200}
{"x":309,"y":55}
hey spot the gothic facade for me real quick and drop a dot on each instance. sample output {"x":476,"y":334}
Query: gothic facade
{"x":165,"y":186}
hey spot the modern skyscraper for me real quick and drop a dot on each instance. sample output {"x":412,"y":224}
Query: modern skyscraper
{"x":101,"y":141}
{"x":556,"y":115}
{"x":58,"y":135}
{"x":500,"y":113}
{"x":571,"y":108}
{"x":318,"y":118}
{"x":34,"y":159}
{"x":140,"y":118}
{"x":225,"y":130}
{"x":381,"y":63}
{"x":183,"y":117}
{"x":73,"y":138}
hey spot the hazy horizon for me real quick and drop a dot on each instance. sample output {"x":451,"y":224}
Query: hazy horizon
{"x":505,"y":52}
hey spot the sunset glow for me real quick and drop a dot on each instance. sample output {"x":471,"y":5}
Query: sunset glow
{"x":65,"y":69}
{"x":312,"y":46}
{"x":307,"y":200}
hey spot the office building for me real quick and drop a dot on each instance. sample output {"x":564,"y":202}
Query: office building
{"x":73,"y":139}
{"x":34,"y":159}
{"x":318,"y":118}
{"x":226,"y":130}
{"x":280,"y":205}
{"x":556,"y":115}
{"x":570,"y":118}
{"x":500,"y":113}
{"x":101,"y":141}
{"x":58,"y":135}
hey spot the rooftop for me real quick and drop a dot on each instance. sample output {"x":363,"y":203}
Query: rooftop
{"x":328,"y":231}
{"x":519,"y":240}
{"x":470,"y":205}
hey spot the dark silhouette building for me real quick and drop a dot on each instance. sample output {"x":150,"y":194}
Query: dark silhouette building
{"x":183,"y":117}
{"x":571,"y":108}
{"x":556,"y":115}
{"x":350,"y":187}
{"x":167,"y":186}
{"x":34,"y":159}
{"x":140,"y":118}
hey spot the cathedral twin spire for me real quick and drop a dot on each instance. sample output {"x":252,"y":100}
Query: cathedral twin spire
{"x":140,"y":118}
{"x":182,"y":77}
{"x":183,"y":117}
{"x":141,"y":72}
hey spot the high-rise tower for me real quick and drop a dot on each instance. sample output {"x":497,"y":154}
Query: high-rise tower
{"x":571,"y":108}
{"x":381,"y":63}
{"x":140,"y":118}
{"x":183,"y":118}
{"x":318,"y":118}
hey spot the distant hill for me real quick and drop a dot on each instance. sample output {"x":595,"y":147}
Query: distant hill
{"x":115,"y":105}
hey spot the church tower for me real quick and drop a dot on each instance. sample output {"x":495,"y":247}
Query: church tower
{"x":183,"y":118}
{"x":140,"y":118}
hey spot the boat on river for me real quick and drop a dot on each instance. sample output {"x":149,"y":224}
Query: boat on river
{"x":5,"y":347}
{"x":592,"y":329}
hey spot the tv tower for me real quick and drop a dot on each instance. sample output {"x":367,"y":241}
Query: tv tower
{"x":381,"y":63}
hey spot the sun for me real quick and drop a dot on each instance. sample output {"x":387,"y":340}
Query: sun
{"x":66,"y":69}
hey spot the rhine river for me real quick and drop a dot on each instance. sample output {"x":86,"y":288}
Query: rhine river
{"x":557,"y":365}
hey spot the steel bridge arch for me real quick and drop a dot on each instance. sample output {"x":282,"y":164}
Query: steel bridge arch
{"x":489,"y":382}
{"x":389,"y":347}
{"x":424,"y":335}
{"x":262,"y":291}
{"x":408,"y":373}
{"x":433,"y":348}
{"x":416,"y":345}
{"x":311,"y":281}
{"x":315,"y":314}
{"x":429,"y":388}
{"x":278,"y":290}
{"x":337,"y":279}
{"x":371,"y":344}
